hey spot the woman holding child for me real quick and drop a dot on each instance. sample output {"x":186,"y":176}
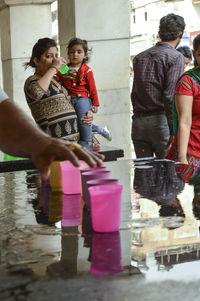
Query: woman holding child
{"x":49,"y":102}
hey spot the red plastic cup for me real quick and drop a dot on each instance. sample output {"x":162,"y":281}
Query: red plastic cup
{"x":105,"y":207}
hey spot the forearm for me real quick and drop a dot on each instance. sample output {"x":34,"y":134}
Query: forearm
{"x":18,"y":133}
{"x":46,"y":79}
{"x":184,"y":105}
{"x":183,"y":139}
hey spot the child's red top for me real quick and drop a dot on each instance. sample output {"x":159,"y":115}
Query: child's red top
{"x":81,"y":83}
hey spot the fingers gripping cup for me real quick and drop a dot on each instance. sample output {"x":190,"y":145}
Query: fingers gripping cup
{"x":105,"y":207}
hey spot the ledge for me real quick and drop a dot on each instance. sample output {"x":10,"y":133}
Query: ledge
{"x":110,"y":153}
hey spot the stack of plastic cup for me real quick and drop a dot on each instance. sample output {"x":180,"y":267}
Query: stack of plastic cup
{"x":101,"y":182}
{"x":92,"y":175}
{"x":96,"y":168}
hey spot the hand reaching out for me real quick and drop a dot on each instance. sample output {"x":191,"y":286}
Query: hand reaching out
{"x":56,"y":149}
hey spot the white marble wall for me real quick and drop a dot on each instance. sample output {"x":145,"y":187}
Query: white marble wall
{"x":21,"y":26}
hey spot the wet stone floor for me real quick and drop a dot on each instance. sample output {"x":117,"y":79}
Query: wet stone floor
{"x":49,"y":251}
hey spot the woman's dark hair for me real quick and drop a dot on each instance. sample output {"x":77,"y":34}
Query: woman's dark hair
{"x":83,"y":43}
{"x":185,"y":50}
{"x":196,"y":43}
{"x":170,"y":27}
{"x":39,"y":48}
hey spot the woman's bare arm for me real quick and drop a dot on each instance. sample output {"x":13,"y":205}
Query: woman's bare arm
{"x":184,"y":110}
{"x":46,"y":79}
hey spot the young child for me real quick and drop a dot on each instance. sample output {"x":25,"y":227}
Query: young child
{"x":79,"y":80}
{"x":187,"y":53}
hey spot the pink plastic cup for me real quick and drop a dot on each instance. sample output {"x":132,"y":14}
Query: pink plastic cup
{"x":71,"y":178}
{"x":103,"y":261}
{"x":92,"y":175}
{"x":95,"y":168}
{"x":102,"y":182}
{"x":105,"y":207}
{"x":71,"y":210}
{"x":97,"y":182}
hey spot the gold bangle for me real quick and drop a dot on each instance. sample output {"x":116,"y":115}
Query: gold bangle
{"x":73,"y":146}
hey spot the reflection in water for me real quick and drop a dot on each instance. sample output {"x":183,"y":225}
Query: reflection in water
{"x":106,"y":253}
{"x":67,"y":266}
{"x":158,"y":181}
{"x":104,"y":248}
{"x":71,"y":210}
{"x":167,"y":233}
{"x":163,"y":241}
{"x":196,"y":201}
{"x":87,"y":231}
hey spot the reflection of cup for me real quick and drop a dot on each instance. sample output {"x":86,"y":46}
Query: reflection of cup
{"x":105,"y":207}
{"x":71,"y":178}
{"x":55,"y":209}
{"x":106,"y":253}
{"x":87,"y":230}
{"x":67,"y":266}
{"x":92,"y":175}
{"x":45,"y":196}
{"x":71,"y":210}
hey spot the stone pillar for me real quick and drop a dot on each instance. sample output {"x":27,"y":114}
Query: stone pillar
{"x":22,"y":23}
{"x":106,"y":26}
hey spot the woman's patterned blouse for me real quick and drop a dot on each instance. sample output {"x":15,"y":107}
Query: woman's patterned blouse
{"x":52,"y":109}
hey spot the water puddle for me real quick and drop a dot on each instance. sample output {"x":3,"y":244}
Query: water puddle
{"x":165,"y":225}
{"x":45,"y":233}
